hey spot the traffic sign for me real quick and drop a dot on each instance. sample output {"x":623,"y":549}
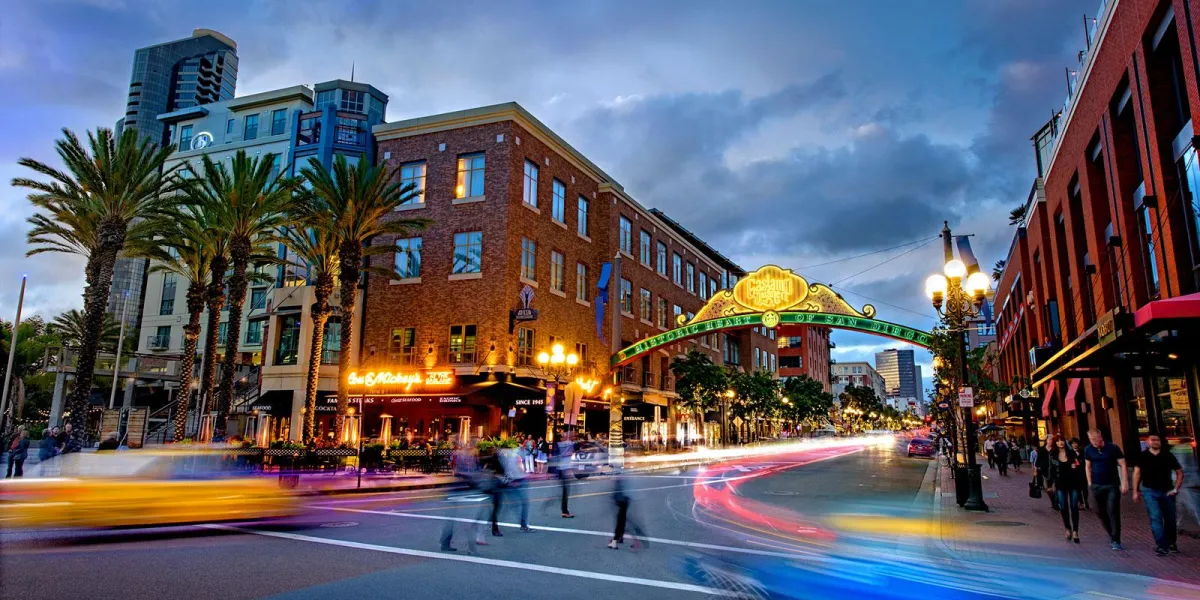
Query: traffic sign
{"x":966,"y":397}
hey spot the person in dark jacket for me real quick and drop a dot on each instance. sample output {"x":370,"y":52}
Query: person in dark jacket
{"x":18,"y":451}
{"x":622,"y":500}
{"x":1077,"y":446}
{"x":48,"y":447}
{"x":1063,"y":476}
{"x":1000,"y":448}
{"x":1042,"y":468}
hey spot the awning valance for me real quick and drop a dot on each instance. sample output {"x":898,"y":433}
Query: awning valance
{"x":1047,"y":398}
{"x":1072,"y":390}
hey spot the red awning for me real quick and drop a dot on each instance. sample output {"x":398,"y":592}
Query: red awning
{"x":1179,"y":307}
{"x":1072,"y":389}
{"x":1047,"y":398}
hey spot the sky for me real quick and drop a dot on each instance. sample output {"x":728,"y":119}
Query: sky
{"x":793,"y":132}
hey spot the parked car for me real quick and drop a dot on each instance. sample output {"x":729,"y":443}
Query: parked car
{"x":920,"y":447}
{"x":589,"y":458}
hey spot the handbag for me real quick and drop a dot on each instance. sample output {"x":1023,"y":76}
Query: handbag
{"x":1035,"y":490}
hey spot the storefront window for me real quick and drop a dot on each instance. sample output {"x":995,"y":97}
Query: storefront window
{"x":1139,"y":407}
{"x":1176,"y":410}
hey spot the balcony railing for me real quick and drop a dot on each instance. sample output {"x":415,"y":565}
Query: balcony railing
{"x":158,"y":342}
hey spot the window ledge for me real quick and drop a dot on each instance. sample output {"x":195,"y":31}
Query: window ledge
{"x":627,"y":314}
{"x":647,"y":265}
{"x":558,"y":293}
{"x":663,"y":275}
{"x":626,"y":254}
{"x":469,"y":200}
{"x":466,"y":276}
{"x":560,"y":224}
{"x":645,"y":322}
{"x":413,"y":206}
{"x":531,"y":207}
{"x":405,"y":281}
{"x":582,"y":302}
{"x":584,"y":237}
{"x":529,"y":282}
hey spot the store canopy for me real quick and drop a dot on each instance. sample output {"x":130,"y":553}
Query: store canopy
{"x":1170,"y":309}
{"x":277,"y":403}
{"x":1072,"y":389}
{"x":1047,"y":398}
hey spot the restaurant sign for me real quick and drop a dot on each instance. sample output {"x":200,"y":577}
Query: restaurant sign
{"x":407,"y":379}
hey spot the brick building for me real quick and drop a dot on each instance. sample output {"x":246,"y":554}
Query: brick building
{"x":1097,"y":309}
{"x":804,"y":350}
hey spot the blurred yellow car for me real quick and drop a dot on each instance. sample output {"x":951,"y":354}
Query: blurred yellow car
{"x":137,"y":489}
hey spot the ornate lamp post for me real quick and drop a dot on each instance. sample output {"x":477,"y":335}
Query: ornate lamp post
{"x":559,"y":367}
{"x":959,"y":297}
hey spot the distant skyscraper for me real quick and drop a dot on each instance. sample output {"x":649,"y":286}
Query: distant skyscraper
{"x":899,"y":371}
{"x":167,"y":77}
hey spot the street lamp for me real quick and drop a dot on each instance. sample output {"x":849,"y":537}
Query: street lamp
{"x":958,"y":296}
{"x":558,"y":366}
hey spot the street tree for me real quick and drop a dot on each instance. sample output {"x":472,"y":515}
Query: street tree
{"x":250,"y":203}
{"x":315,"y":244}
{"x":808,"y":402}
{"x":107,"y":201}
{"x":699,"y":381}
{"x":361,"y":201}
{"x":757,"y":398}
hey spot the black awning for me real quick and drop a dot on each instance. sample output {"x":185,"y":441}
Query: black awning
{"x":506,"y":390}
{"x":277,"y":403}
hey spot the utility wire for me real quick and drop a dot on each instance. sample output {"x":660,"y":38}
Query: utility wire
{"x":869,"y":253}
{"x":926,"y":243}
{"x":878,"y":301}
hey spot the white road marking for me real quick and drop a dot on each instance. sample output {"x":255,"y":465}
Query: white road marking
{"x":606,"y":534}
{"x":468,"y":498}
{"x":491,"y":562}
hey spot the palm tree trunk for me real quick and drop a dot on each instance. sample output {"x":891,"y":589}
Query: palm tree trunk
{"x":314,"y":374}
{"x":215,"y":298}
{"x":191,"y":336}
{"x":239,"y":257}
{"x":112,"y":239}
{"x":351,"y":257}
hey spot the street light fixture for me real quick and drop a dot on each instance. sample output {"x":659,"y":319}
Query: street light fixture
{"x":558,"y":366}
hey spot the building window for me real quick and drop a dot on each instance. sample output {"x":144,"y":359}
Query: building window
{"x":258,"y":299}
{"x":413,"y":174}
{"x":644,"y":249}
{"x":691,"y":278}
{"x":166,"y":305}
{"x":323,"y":98}
{"x":757,"y":359}
{"x":250,"y":130}
{"x":581,"y":352}
{"x":791,"y":362}
{"x":254,"y":332}
{"x":185,"y":138}
{"x":675,"y":314}
{"x":331,"y":346}
{"x":524,"y":347}
{"x":353,"y":101}
{"x":468,"y":252}
{"x":528,"y":259}
{"x":310,"y":131}
{"x":626,"y":296}
{"x":278,"y":121}
{"x":229,"y":127}
{"x":287,"y":351}
{"x":162,"y":337}
{"x":408,"y":258}
{"x":677,"y":268}
{"x":557,"y":271}
{"x":348,"y":131}
{"x":581,"y":282}
{"x":646,"y":305}
{"x":403,"y":345}
{"x":1150,"y":258}
{"x":626,"y":232}
{"x":712,"y":287}
{"x":529,"y":195}
{"x":662,"y":312}
{"x":558,"y":204}
{"x":582,"y":216}
{"x":462,"y":344}
{"x":662,"y":259}
{"x":470,"y":176}
{"x":704,"y":285}
{"x":222,"y":333}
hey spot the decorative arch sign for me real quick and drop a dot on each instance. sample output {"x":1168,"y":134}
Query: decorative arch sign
{"x":772,"y":296}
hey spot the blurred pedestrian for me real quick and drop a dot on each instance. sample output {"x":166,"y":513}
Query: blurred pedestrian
{"x":1015,"y":456}
{"x":466,"y":471}
{"x":1063,"y":481}
{"x":515,"y":488}
{"x":495,"y":472}
{"x":1106,"y":474}
{"x":18,"y":451}
{"x":560,"y":460}
{"x":989,"y":448}
{"x":1152,"y":480}
{"x":622,"y":502}
{"x":1000,"y":448}
{"x":1082,"y":483}
{"x":1041,"y":462}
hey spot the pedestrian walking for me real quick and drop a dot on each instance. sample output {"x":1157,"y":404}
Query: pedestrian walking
{"x":1108,"y":480}
{"x":1015,"y":456}
{"x":18,"y":451}
{"x":1000,"y":449}
{"x":1082,"y":484}
{"x":1041,"y":462}
{"x":1152,"y":480}
{"x":495,"y":471}
{"x":622,"y":502}
{"x":561,"y":462}
{"x":989,"y":448}
{"x":514,"y":487}
{"x":466,"y":466}
{"x":1063,"y":481}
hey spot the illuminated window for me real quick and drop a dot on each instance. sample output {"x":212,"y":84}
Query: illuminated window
{"x":470,"y":176}
{"x":662,"y":259}
{"x":403,"y":345}
{"x":557,"y":269}
{"x":582,"y":216}
{"x":644,"y":247}
{"x":468,"y":252}
{"x":531,"y":180}
{"x":558,"y":202}
{"x":677,"y":268}
{"x":581,"y":352}
{"x":331,"y":347}
{"x":413,"y":174}
{"x":626,"y":296}
{"x":626,"y":235}
{"x":581,"y":282}
{"x":646,"y":304}
{"x":462,"y":344}
{"x":524,"y":347}
{"x":408,"y":258}
{"x":528,"y":259}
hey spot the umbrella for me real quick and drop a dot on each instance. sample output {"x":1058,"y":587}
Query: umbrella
{"x":990,"y":428}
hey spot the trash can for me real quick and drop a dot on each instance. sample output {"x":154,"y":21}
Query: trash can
{"x":962,"y":485}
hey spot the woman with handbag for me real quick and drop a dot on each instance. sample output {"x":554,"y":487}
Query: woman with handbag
{"x":1063,"y":480}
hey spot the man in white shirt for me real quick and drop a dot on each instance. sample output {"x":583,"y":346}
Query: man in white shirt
{"x":989,"y":448}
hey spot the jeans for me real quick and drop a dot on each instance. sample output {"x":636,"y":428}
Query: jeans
{"x":16,"y":466}
{"x":516,"y":490}
{"x":1161,"y":509}
{"x":1068,"y":504}
{"x":565,"y":478}
{"x":1108,"y":506}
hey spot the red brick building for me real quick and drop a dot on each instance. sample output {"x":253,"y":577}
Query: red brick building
{"x":513,"y":209}
{"x":804,"y":350}
{"x":1097,"y":311}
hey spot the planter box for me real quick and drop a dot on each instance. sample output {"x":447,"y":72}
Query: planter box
{"x":335,"y":452}
{"x":283,"y":452}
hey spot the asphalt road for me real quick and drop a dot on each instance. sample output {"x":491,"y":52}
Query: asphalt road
{"x":386,"y":545}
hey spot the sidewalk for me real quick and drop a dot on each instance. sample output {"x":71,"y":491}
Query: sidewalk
{"x":1019,"y":526}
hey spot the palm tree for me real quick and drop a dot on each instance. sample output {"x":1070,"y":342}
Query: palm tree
{"x":71,"y":326}
{"x":107,"y":200}
{"x":317,"y":246}
{"x":361,"y":200}
{"x":998,"y":269}
{"x":249,"y":204}
{"x":1017,"y":215}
